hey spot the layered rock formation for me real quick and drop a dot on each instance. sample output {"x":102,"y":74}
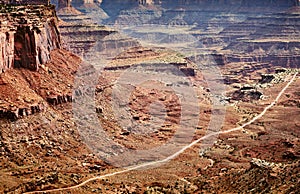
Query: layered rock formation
{"x":25,"y":92}
{"x":255,"y":3}
{"x":25,"y":2}
{"x":225,"y":5}
{"x":191,"y":11}
{"x":270,"y":39}
{"x":115,"y":9}
{"x":265,"y":32}
{"x":85,"y":37}
{"x":30,"y":39}
{"x":28,"y":35}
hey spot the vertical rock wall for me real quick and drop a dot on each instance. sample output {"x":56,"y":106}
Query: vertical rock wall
{"x":27,"y":36}
{"x":6,"y":50}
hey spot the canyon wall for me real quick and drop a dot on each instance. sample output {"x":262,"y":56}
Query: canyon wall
{"x":27,"y":36}
{"x":203,"y":4}
{"x":253,"y":3}
{"x":25,"y":2}
{"x":117,"y":7}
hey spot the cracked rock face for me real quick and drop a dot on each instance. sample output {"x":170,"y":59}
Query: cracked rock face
{"x":27,"y":36}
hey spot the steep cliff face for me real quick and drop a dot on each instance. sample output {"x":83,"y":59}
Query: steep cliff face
{"x":6,"y":50}
{"x":27,"y":36}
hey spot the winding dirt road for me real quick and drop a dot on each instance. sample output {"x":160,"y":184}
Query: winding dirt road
{"x":177,"y":153}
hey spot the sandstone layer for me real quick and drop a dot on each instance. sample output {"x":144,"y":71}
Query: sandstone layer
{"x":28,"y":35}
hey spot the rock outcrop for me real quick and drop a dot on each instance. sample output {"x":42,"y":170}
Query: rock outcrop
{"x":27,"y":36}
{"x":30,"y":40}
{"x":25,"y":92}
{"x":63,"y":4}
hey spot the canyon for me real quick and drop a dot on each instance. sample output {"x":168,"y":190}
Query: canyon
{"x":158,"y":96}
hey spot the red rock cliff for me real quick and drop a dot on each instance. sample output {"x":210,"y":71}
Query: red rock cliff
{"x":27,"y":36}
